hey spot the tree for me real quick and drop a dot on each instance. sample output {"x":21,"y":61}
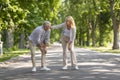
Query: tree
{"x":11,"y":15}
{"x":115,"y":12}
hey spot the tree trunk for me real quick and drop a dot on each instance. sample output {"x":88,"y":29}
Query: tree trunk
{"x":115,"y":26}
{"x":22,"y":40}
{"x":88,"y":36}
{"x":9,"y":38}
{"x":80,"y":36}
{"x":93,"y":33}
{"x":116,"y":36}
{"x":101,"y":31}
{"x":101,"y":36}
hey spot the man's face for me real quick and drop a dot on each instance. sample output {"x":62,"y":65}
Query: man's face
{"x":47,"y":27}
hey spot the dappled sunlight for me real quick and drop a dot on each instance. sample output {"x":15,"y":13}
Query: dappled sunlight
{"x":101,"y":70}
{"x":65,"y":77}
{"x":95,"y":64}
{"x":20,"y":51}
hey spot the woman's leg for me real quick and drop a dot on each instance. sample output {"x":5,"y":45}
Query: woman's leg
{"x":64,"y":45}
{"x":73,"y":56}
{"x":32,"y":49}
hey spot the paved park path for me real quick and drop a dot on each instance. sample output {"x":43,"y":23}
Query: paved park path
{"x":93,"y":66}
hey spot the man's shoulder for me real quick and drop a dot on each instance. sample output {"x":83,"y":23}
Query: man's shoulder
{"x":39,"y":27}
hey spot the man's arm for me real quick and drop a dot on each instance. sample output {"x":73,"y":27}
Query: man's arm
{"x":47,"y":38}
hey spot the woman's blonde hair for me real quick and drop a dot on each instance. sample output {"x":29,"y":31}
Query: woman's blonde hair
{"x":71,"y":20}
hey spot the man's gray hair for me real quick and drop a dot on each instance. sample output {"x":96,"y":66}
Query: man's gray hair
{"x":46,"y":23}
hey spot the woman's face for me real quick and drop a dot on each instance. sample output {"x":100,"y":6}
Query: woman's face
{"x":68,"y":23}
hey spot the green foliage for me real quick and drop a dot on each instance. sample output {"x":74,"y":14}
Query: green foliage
{"x":13,"y":48}
{"x":87,"y":11}
{"x":117,"y":9}
{"x":24,"y":16}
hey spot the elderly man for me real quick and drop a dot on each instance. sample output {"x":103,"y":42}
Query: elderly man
{"x":40,"y":38}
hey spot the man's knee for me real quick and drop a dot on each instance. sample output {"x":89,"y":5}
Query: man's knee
{"x":69,"y":48}
{"x":44,"y":51}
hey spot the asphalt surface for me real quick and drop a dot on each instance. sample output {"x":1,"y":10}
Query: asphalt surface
{"x":92,"y":66}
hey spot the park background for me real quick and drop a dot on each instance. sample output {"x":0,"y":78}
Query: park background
{"x":97,"y":21}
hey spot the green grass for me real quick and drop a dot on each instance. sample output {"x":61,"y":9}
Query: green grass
{"x":7,"y":55}
{"x":105,"y":49}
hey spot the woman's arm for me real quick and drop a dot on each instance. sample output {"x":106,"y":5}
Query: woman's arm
{"x":72,"y":34}
{"x":72,"y":38}
{"x":58,"y":26}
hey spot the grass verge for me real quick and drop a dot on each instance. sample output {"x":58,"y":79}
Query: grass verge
{"x":105,"y":50}
{"x":7,"y":55}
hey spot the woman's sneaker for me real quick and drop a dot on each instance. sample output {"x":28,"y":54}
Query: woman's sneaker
{"x":45,"y":69}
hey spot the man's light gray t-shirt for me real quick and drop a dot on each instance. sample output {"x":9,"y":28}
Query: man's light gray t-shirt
{"x":39,"y":35}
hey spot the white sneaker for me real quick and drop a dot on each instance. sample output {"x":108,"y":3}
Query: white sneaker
{"x":75,"y":67}
{"x":45,"y":69}
{"x":65,"y":67}
{"x":34,"y":69}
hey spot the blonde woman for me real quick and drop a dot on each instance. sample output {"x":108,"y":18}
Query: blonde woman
{"x":67,"y":39}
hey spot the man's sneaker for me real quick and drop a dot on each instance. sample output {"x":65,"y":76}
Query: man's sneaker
{"x":34,"y":69}
{"x":65,"y":67}
{"x":45,"y":69}
{"x":75,"y":67}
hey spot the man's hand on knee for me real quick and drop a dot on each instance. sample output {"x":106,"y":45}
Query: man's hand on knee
{"x":44,"y":51}
{"x":42,"y":47}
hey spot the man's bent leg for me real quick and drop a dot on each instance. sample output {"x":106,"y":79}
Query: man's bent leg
{"x":32,"y":49}
{"x":43,"y":59}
